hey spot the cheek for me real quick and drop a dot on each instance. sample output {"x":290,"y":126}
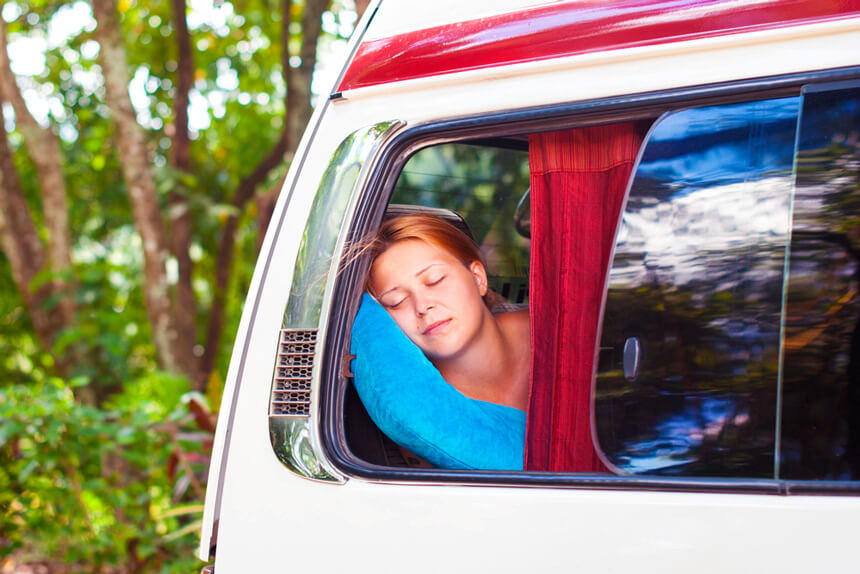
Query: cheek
{"x":463,"y":293}
{"x":403,"y":318}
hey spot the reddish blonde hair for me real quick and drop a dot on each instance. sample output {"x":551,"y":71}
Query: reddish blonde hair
{"x":432,"y":229}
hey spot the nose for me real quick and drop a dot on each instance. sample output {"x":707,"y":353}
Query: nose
{"x":422,"y":305}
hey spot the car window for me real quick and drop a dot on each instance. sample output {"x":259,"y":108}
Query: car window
{"x":694,"y":296}
{"x":820,"y":423}
{"x":477,"y":187}
{"x":729,"y":343}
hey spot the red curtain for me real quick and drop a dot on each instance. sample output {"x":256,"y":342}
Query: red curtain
{"x":578,"y":180}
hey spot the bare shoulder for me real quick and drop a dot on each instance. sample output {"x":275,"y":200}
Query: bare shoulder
{"x":515,"y":325}
{"x":515,"y":329}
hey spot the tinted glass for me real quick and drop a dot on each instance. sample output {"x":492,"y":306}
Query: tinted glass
{"x":821,"y":380}
{"x":697,"y":279}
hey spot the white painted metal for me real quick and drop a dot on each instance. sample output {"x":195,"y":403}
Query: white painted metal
{"x":362,"y":527}
{"x":272,"y":520}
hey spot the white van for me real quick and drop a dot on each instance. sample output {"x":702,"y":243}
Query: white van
{"x":723,"y":403}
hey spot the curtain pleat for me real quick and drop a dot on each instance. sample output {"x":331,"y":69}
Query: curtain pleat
{"x":578,"y":181}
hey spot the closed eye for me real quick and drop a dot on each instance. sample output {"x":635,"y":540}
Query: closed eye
{"x":395,"y":304}
{"x":437,"y":280}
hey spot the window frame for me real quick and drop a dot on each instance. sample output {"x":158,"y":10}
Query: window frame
{"x":368,"y":215}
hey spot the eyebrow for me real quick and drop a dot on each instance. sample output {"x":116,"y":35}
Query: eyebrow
{"x":383,"y":294}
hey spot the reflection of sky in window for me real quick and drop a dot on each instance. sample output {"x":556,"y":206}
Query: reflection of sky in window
{"x":690,"y":237}
{"x":708,"y":213}
{"x":678,"y":433}
{"x":700,"y":121}
{"x":701,"y":147}
{"x":713,"y":185}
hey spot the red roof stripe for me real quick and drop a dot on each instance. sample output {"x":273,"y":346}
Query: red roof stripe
{"x":571,"y":28}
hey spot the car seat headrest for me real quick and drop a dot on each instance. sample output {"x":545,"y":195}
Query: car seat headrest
{"x":451,"y":216}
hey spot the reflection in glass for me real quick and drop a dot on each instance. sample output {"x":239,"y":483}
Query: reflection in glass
{"x":697,"y":278}
{"x":322,"y":229}
{"x":821,"y":381}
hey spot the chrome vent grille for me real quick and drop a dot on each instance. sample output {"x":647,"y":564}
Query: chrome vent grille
{"x":291,"y":394}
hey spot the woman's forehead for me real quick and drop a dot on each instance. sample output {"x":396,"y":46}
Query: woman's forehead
{"x":407,"y":259}
{"x":412,"y":254}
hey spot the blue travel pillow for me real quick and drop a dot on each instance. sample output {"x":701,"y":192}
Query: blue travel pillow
{"x":410,"y":402}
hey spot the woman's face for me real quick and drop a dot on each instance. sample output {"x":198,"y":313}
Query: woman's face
{"x":431,"y":295}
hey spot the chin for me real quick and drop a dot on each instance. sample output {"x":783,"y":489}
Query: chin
{"x":443,"y":352}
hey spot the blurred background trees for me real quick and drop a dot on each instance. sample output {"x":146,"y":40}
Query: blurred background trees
{"x":145,"y":143}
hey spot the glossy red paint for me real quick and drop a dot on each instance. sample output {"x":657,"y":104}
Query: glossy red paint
{"x":571,"y":28}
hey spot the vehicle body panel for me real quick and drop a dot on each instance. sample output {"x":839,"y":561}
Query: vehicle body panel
{"x":270,"y":519}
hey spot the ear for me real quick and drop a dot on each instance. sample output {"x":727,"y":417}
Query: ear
{"x":480,"y":275}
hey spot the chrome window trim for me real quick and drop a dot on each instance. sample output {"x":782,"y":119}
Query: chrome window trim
{"x":295,"y":439}
{"x":369,"y":214}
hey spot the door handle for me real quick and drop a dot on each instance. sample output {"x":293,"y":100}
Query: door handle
{"x":632,"y":354}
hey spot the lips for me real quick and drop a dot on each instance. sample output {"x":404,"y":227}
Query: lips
{"x":435,"y":327}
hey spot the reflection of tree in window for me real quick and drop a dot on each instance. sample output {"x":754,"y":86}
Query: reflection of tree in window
{"x":821,"y":381}
{"x":697,"y":279}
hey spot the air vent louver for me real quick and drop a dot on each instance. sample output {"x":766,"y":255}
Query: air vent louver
{"x":291,"y":395}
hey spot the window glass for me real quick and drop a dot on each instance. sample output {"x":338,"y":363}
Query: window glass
{"x":821,"y":377}
{"x":696,"y":286}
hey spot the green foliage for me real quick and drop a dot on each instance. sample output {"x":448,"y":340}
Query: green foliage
{"x":160,"y":392}
{"x":238,"y":104}
{"x":21,"y":358}
{"x":89,"y":487}
{"x":105,"y":467}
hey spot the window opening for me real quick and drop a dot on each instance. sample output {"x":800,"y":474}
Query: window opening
{"x":654,"y":422}
{"x":478,"y":186}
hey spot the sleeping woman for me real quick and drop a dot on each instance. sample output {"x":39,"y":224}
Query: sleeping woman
{"x":437,"y":370}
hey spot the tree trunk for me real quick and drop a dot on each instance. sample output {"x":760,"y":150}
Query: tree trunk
{"x":298,"y":105}
{"x":299,"y":101}
{"x":22,"y":246}
{"x":44,"y":150}
{"x":138,"y":178}
{"x":185,"y":307}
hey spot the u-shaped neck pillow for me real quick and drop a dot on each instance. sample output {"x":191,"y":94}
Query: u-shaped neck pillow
{"x":410,"y":402}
